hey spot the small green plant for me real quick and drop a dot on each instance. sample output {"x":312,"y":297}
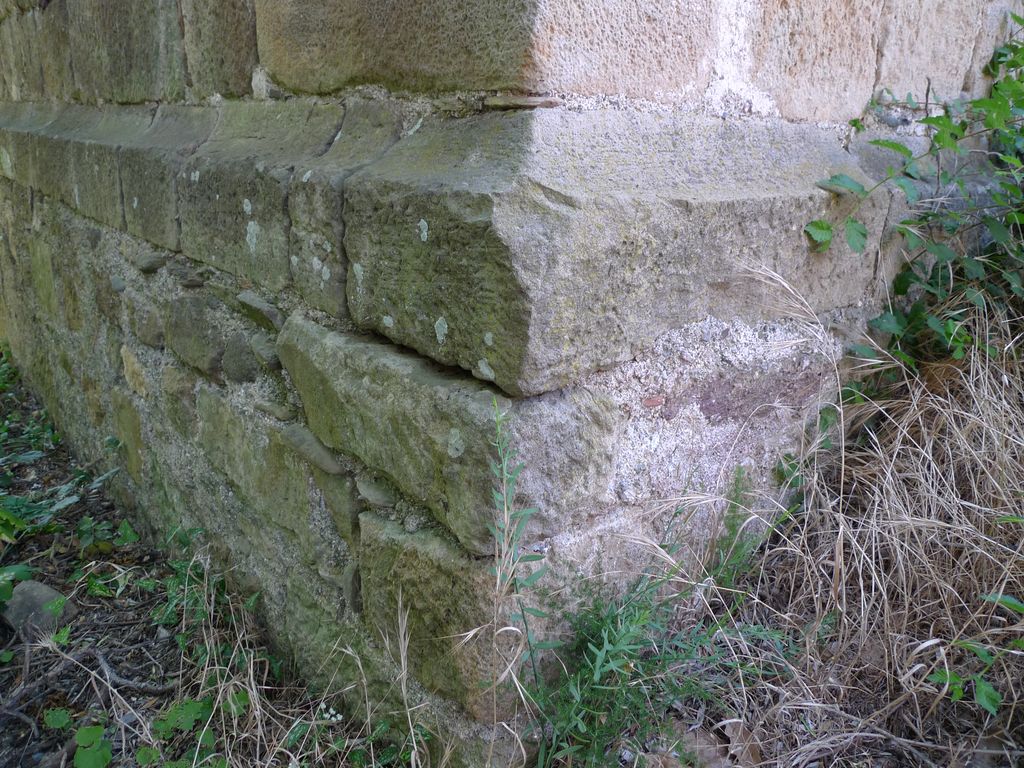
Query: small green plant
{"x":963,"y":255}
{"x":57,"y":719}
{"x":92,"y":749}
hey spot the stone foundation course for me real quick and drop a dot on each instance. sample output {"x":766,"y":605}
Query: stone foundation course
{"x":295,"y":257}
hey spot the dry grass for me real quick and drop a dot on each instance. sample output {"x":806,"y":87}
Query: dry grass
{"x":878,"y":581}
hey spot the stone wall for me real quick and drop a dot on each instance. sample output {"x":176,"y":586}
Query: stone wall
{"x":297,"y":313}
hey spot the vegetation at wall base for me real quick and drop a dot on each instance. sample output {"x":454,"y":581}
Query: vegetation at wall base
{"x":149,"y":660}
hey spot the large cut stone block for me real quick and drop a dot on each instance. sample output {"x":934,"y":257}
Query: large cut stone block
{"x":150,"y":169}
{"x":233,"y":193}
{"x":127,"y":50}
{"x":55,"y":51}
{"x":21,"y":60}
{"x":318,"y":262}
{"x":523,"y":45}
{"x":532,"y":248}
{"x":431,"y":432}
{"x":71,"y":153}
{"x":220,"y":43}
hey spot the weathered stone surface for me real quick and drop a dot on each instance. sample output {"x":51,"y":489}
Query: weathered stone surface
{"x":263,"y":470}
{"x":150,"y":165}
{"x":446,"y":594}
{"x":239,"y":361}
{"x":178,"y":397}
{"x":234,"y":190}
{"x":127,"y":50}
{"x":304,"y":443}
{"x":317,"y":255}
{"x":260,"y":311}
{"x":265,"y":349}
{"x":128,"y":426}
{"x":36,"y":609}
{"x":193,"y":335}
{"x":54,"y":49}
{"x":71,"y":153}
{"x":220,"y":45}
{"x":522,"y":45}
{"x":343,"y":505}
{"x":431,"y":432}
{"x":817,"y":60}
{"x":525,"y":248}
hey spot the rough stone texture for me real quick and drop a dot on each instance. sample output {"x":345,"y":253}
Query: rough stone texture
{"x":591,"y":265}
{"x":467,"y":44}
{"x":318,"y":262}
{"x":234,"y":190}
{"x":522,"y":248}
{"x":220,"y":45}
{"x":126,"y":50}
{"x":150,"y":168}
{"x":805,"y":61}
{"x":431,"y":432}
{"x":399,"y":569}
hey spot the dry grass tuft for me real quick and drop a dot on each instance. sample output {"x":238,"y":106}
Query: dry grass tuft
{"x":879,"y":581}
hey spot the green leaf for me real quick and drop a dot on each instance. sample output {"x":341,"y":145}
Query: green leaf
{"x":909,"y":189}
{"x":125,"y":534}
{"x":533,"y":578}
{"x":987,"y":697}
{"x":58,"y":719}
{"x":62,"y":636}
{"x":863,"y":351}
{"x":98,"y":756}
{"x":840,"y":184}
{"x":238,"y":703}
{"x":890,"y":323}
{"x":942,"y":253}
{"x":856,"y":235}
{"x":1006,"y":601}
{"x":973,"y":269}
{"x":6,"y":656}
{"x":895,"y":146}
{"x":147,"y":756}
{"x":820,"y":231}
{"x":55,"y":606}
{"x":998,"y":231}
{"x":89,"y":736}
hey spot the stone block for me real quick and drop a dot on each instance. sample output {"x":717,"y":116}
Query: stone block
{"x":21,"y":45}
{"x":150,"y":166}
{"x":128,"y":428}
{"x":55,"y":51}
{"x":930,"y":42}
{"x":430,"y":431}
{"x":532,"y":248}
{"x":271,"y":481}
{"x":817,"y":60}
{"x":446,"y":593}
{"x":127,"y":51}
{"x":233,"y":193}
{"x":239,"y":362}
{"x":260,"y":311}
{"x":192,"y":333}
{"x":516,"y":45}
{"x":318,"y":262}
{"x":220,"y":45}
{"x":178,"y":398}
